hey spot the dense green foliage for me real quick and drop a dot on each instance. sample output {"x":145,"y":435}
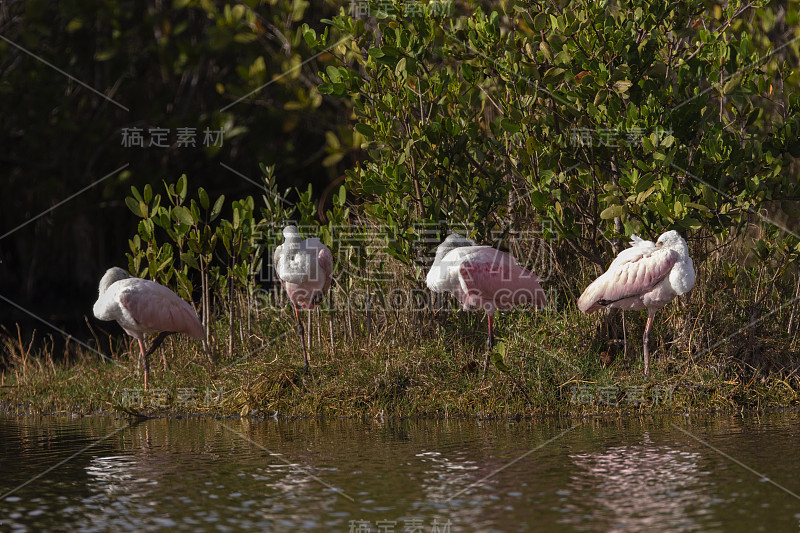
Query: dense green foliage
{"x":602,"y":119}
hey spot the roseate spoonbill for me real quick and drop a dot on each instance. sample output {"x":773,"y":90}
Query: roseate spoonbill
{"x":481,"y":276}
{"x":141,"y":306}
{"x":304,"y":268}
{"x":645,"y":276}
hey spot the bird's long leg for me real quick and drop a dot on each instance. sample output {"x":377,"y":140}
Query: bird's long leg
{"x":157,"y":342}
{"x":624,"y":340}
{"x":489,"y":343}
{"x":302,"y":334}
{"x":330,"y":315}
{"x":143,"y":363}
{"x":309,"y":329}
{"x":646,"y":341}
{"x":146,"y":354}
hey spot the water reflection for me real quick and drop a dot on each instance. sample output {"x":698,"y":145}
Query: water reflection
{"x":202,"y":474}
{"x":642,"y":487}
{"x":446,"y":477}
{"x":214,"y":478}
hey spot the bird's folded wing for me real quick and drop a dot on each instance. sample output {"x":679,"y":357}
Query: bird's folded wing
{"x":627,"y":278}
{"x":641,"y":248}
{"x":496,"y":275}
{"x":156,"y":308}
{"x":325,"y":261}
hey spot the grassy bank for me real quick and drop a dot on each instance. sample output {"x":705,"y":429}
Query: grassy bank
{"x":703,"y":356}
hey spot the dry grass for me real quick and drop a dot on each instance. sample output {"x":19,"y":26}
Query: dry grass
{"x":731,"y":343}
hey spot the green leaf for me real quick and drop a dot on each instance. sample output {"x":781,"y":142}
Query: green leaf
{"x":553,"y":75}
{"x":165,"y":264}
{"x":374,"y":186}
{"x":538,"y":200}
{"x":203,"y":197}
{"x":365,"y":130}
{"x":333,"y":74}
{"x":696,"y":206}
{"x":600,"y":97}
{"x":309,"y":35}
{"x":499,"y":351}
{"x":540,"y":21}
{"x":645,"y":182}
{"x":509,"y":125}
{"x":531,"y":145}
{"x":146,"y":229}
{"x":612,"y":211}
{"x":622,"y":86}
{"x":138,"y":208}
{"x":182,"y":215}
{"x":400,"y":68}
{"x":194,"y":210}
{"x":181,"y":188}
{"x":190,"y":260}
{"x":691,"y":223}
{"x":136,"y":194}
{"x":215,"y":211}
{"x":663,"y":210}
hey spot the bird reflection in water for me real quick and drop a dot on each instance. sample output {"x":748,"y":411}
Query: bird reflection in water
{"x":638,"y":488}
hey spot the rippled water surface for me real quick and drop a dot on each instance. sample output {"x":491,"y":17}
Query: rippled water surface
{"x":650,"y":474}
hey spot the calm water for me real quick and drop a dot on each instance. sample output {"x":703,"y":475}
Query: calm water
{"x":105,"y":474}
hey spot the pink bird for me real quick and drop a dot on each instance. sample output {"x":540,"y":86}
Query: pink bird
{"x":644,"y":276}
{"x":141,"y":306}
{"x":304,"y":268}
{"x":482,"y":277}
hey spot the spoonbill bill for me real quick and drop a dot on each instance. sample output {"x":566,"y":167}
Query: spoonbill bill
{"x":482,"y":277}
{"x":304,"y":268}
{"x":141,"y":306}
{"x":645,"y":276}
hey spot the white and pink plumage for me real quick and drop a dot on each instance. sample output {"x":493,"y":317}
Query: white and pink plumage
{"x":645,"y":276}
{"x":482,"y":277}
{"x":305,"y":270}
{"x":142,"y":307}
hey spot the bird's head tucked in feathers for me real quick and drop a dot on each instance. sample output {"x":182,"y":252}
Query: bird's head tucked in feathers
{"x":291,"y":241}
{"x":453,"y":241}
{"x":112,"y":275}
{"x":673,"y":241}
{"x":290,"y":233}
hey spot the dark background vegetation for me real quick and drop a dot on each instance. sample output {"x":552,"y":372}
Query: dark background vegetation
{"x":172,"y":65}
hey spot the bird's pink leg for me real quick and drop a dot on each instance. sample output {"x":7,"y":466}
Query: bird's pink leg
{"x":301,"y":332}
{"x":646,"y":340}
{"x":489,"y":342}
{"x":330,"y":316}
{"x":144,"y":363}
